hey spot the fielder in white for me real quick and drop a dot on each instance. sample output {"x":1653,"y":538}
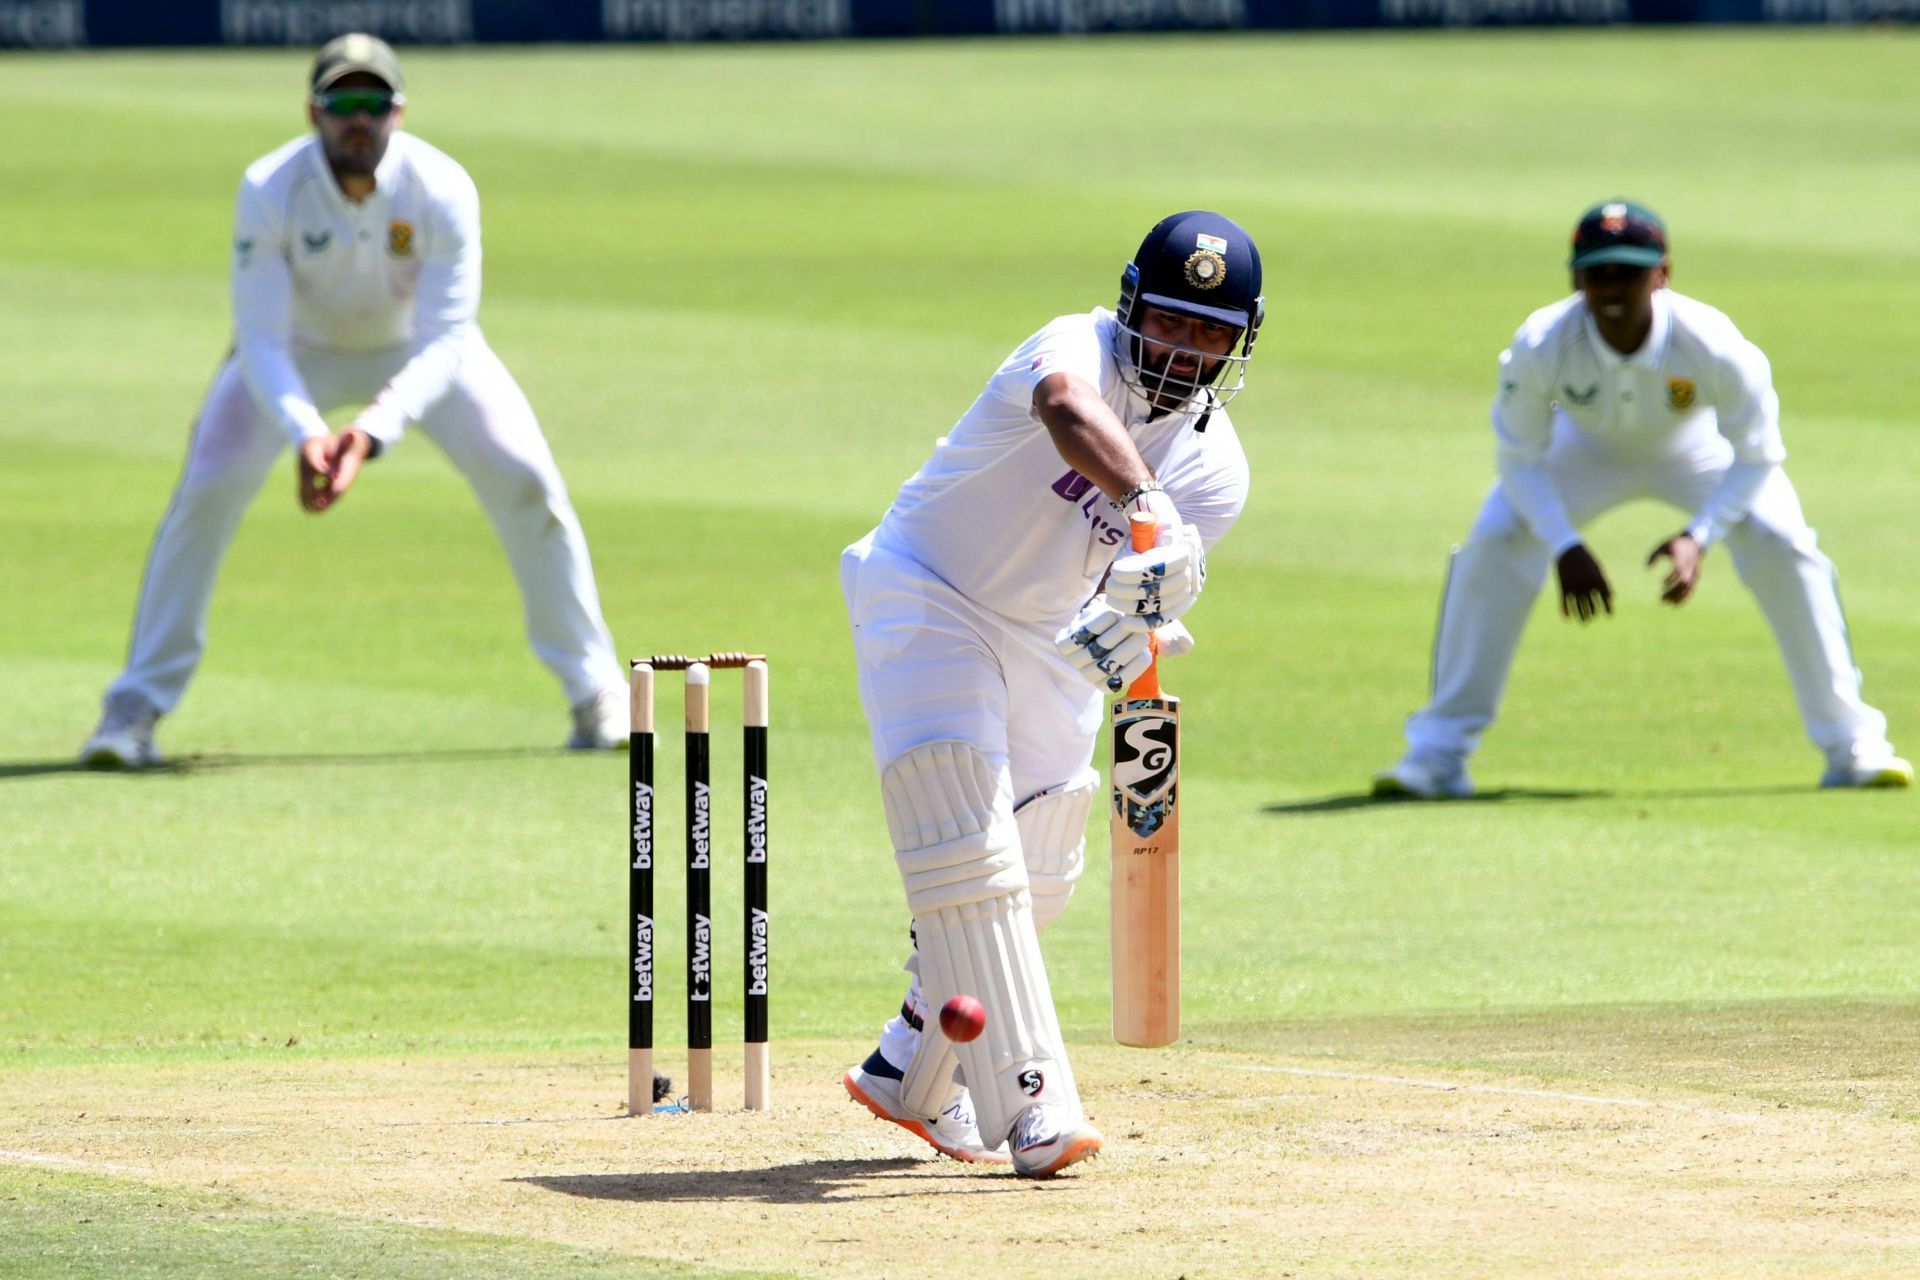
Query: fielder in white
{"x":985,"y":644}
{"x":356,"y":281}
{"x":1629,"y":390}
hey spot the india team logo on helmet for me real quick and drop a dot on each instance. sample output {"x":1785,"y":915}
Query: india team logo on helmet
{"x":1201,"y":264}
{"x":1206,"y":269}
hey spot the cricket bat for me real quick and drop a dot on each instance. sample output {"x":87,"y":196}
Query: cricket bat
{"x":1146,"y":854}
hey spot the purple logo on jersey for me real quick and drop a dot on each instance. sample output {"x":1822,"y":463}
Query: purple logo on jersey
{"x":1072,"y":486}
{"x":1080,"y":491}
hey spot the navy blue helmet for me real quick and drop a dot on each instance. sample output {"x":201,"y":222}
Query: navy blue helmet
{"x":1195,"y":264}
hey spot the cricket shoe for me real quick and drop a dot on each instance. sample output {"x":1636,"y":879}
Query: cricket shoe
{"x":1425,"y":777}
{"x":124,"y":738}
{"x":875,"y":1085}
{"x":1047,"y":1138}
{"x":1876,"y":769}
{"x":601,"y":722}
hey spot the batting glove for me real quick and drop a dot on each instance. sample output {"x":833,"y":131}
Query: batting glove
{"x":1107,"y":647}
{"x":1158,"y":586}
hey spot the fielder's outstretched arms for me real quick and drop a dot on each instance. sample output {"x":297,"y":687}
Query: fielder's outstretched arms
{"x":1628,"y":390}
{"x":986,"y":643}
{"x":356,"y":282}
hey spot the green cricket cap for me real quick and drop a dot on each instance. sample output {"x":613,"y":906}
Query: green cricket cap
{"x":1619,"y":231}
{"x":342,"y":56}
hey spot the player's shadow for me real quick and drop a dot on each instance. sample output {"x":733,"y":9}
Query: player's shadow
{"x":219,"y":762}
{"x":805,"y":1182}
{"x":1549,"y":795}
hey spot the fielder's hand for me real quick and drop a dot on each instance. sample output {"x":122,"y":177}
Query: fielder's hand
{"x":1158,"y":586}
{"x":328,"y":465}
{"x":1583,"y":587}
{"x":1685,"y":576}
{"x":1106,"y":646}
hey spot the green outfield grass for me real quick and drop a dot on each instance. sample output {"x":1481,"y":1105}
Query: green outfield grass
{"x":746,"y":288}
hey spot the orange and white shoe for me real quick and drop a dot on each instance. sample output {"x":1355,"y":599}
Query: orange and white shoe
{"x":1047,"y":1138}
{"x":875,"y":1085}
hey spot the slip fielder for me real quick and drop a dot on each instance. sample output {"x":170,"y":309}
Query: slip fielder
{"x":1627,"y":390}
{"x":356,"y":281}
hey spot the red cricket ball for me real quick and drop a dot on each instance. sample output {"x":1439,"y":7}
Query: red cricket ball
{"x":962,"y":1018}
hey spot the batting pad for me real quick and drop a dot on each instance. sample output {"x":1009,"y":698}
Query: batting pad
{"x":929,"y":1082}
{"x":1053,"y":839}
{"x":958,"y":848}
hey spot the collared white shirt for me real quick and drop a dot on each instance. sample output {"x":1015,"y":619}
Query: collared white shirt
{"x":998,"y":514}
{"x":315,"y":270}
{"x":1695,"y":375}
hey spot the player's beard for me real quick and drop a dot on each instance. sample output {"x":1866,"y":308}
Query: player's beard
{"x":356,"y":153}
{"x":1169,"y":387}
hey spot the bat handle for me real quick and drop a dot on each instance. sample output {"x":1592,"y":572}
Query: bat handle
{"x":1142,"y":529}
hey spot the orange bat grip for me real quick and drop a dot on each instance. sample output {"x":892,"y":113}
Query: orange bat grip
{"x":1142,"y":529}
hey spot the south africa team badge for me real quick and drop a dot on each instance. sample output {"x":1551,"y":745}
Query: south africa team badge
{"x":1680,"y":393}
{"x":400,"y":239}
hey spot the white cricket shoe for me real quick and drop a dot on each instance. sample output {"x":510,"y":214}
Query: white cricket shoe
{"x":951,"y":1133}
{"x":124,"y":738}
{"x":1425,"y":777}
{"x":1048,"y":1137}
{"x":1873,"y":768}
{"x":602,"y":722}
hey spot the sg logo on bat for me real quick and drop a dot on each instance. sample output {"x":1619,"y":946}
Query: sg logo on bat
{"x":1146,"y":765}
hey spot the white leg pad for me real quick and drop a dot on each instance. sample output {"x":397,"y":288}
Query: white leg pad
{"x":1053,"y":839}
{"x":958,"y":847}
{"x":929,"y":1083}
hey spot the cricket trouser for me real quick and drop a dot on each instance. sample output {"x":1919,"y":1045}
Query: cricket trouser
{"x":970,"y":713}
{"x":486,"y":428}
{"x":1496,"y":574}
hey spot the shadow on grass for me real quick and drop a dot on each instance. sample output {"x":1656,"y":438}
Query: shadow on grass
{"x":807,"y":1182}
{"x":1507,"y":795}
{"x":220,"y":762}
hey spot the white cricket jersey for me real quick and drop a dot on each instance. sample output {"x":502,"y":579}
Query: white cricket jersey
{"x":1693,"y":377}
{"x":998,"y":514}
{"x":314,"y":270}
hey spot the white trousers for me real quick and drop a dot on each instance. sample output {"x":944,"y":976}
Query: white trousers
{"x":936,"y":667}
{"x":1495,"y":576}
{"x":486,"y":428}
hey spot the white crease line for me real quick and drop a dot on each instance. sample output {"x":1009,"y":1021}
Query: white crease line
{"x":67,"y":1162}
{"x":1448,"y":1086}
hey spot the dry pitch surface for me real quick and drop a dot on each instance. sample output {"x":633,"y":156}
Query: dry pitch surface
{"x":1216,"y":1166}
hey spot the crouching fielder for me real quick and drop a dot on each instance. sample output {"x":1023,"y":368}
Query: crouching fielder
{"x":986,"y":644}
{"x":356,"y":281}
{"x":1623,"y":390}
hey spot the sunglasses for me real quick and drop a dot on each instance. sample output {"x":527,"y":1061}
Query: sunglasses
{"x":347,"y":103}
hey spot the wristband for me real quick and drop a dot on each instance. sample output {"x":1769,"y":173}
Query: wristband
{"x":1144,"y":487}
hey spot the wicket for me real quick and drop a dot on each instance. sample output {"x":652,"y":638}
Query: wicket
{"x":699,"y":813}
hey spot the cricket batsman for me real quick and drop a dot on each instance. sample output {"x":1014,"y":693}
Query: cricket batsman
{"x":356,"y":281}
{"x":993,"y":608}
{"x":1626,"y":389}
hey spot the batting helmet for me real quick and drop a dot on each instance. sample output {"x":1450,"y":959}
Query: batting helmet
{"x":1194,"y":264}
